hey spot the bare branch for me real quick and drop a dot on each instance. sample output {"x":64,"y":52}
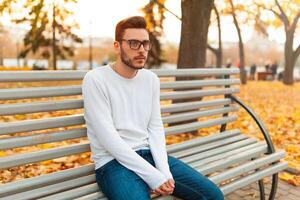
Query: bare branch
{"x":164,"y":7}
{"x":282,"y":14}
{"x":297,"y":52}
{"x":294,"y":24}
{"x":214,"y":50}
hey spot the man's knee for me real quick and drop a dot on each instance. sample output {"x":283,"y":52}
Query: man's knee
{"x":217,"y":194}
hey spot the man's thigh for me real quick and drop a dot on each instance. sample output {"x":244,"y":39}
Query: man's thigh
{"x":190,"y":184}
{"x":119,"y":183}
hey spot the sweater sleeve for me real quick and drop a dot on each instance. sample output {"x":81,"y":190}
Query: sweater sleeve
{"x":98,"y":118}
{"x":157,"y":141}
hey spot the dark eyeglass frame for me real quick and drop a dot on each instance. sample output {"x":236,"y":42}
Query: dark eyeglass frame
{"x":144,"y":43}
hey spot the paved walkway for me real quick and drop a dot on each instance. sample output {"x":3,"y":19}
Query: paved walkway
{"x":285,"y":191}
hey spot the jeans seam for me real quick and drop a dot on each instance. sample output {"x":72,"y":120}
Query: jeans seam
{"x":201,"y":195}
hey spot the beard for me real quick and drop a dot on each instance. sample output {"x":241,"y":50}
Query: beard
{"x":129,"y":62}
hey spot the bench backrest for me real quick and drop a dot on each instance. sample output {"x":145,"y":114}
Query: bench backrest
{"x":42,"y":113}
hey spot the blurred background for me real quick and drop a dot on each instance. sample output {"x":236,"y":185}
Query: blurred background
{"x":261,"y":37}
{"x":78,"y":34}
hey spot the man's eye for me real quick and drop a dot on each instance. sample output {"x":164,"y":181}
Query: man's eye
{"x":135,"y":43}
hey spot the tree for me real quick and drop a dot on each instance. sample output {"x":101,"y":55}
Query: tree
{"x":194,"y":29}
{"x":217,"y":51}
{"x":288,"y":13}
{"x":232,"y":11}
{"x":154,"y":15}
{"x":51,"y":28}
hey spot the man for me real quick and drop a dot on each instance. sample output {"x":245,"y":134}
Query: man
{"x":125,"y":129}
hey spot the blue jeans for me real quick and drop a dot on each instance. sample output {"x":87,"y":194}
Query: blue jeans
{"x":119,"y":183}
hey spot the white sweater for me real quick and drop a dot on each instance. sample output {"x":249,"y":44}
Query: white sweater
{"x":123,"y":115}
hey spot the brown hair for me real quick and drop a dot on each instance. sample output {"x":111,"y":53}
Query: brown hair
{"x":131,"y":22}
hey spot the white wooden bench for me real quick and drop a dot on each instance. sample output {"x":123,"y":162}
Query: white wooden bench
{"x":229,"y":158}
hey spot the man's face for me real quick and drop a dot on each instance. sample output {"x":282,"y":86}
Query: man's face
{"x":133,"y":58}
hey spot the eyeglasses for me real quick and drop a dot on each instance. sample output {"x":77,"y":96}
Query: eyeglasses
{"x":136,"y":44}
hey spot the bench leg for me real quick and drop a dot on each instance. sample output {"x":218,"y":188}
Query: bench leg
{"x":261,"y":189}
{"x":273,"y":188}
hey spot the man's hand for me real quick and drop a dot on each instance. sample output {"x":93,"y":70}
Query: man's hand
{"x":166,"y":188}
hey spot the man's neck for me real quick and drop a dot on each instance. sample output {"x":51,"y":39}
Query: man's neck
{"x":124,"y":70}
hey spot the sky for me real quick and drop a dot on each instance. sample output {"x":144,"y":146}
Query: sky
{"x":98,"y":18}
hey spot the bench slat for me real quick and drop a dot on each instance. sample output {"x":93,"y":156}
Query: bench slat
{"x":207,"y":160}
{"x":14,"y":142}
{"x":75,"y":90}
{"x":38,"y":92}
{"x":56,"y":75}
{"x":195,"y":72}
{"x":222,"y":149}
{"x":49,"y":75}
{"x":201,"y":140}
{"x":96,"y":196}
{"x":208,"y":146}
{"x":255,"y":164}
{"x":23,"y":108}
{"x":197,"y":93}
{"x":47,"y":154}
{"x":179,"y":107}
{"x":46,"y":179}
{"x":198,"y":83}
{"x":77,"y":192}
{"x":196,"y":125}
{"x":254,"y":177}
{"x":55,"y":188}
{"x":197,"y":114}
{"x":40,"y":124}
{"x":227,"y":161}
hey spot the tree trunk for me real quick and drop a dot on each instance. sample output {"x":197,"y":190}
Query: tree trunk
{"x":193,"y":42}
{"x":194,"y":29}
{"x":217,"y":51}
{"x":219,"y":54}
{"x":288,"y":75}
{"x":243,"y":75}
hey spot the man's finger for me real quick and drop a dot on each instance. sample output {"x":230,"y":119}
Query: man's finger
{"x":160,"y":191}
{"x":171,"y":183}
{"x":165,"y":187}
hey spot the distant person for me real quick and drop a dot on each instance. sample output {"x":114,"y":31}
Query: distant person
{"x":228,"y":63}
{"x":267,"y":67}
{"x":252,"y":71}
{"x":125,"y":129}
{"x":280,"y":76}
{"x":273,"y":69}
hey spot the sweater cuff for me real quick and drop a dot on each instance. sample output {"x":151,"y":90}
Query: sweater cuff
{"x":157,"y":182}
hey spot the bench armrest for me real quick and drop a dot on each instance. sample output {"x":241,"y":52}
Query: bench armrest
{"x":260,"y":124}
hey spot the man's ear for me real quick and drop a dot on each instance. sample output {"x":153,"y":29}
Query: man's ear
{"x":117,"y":46}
